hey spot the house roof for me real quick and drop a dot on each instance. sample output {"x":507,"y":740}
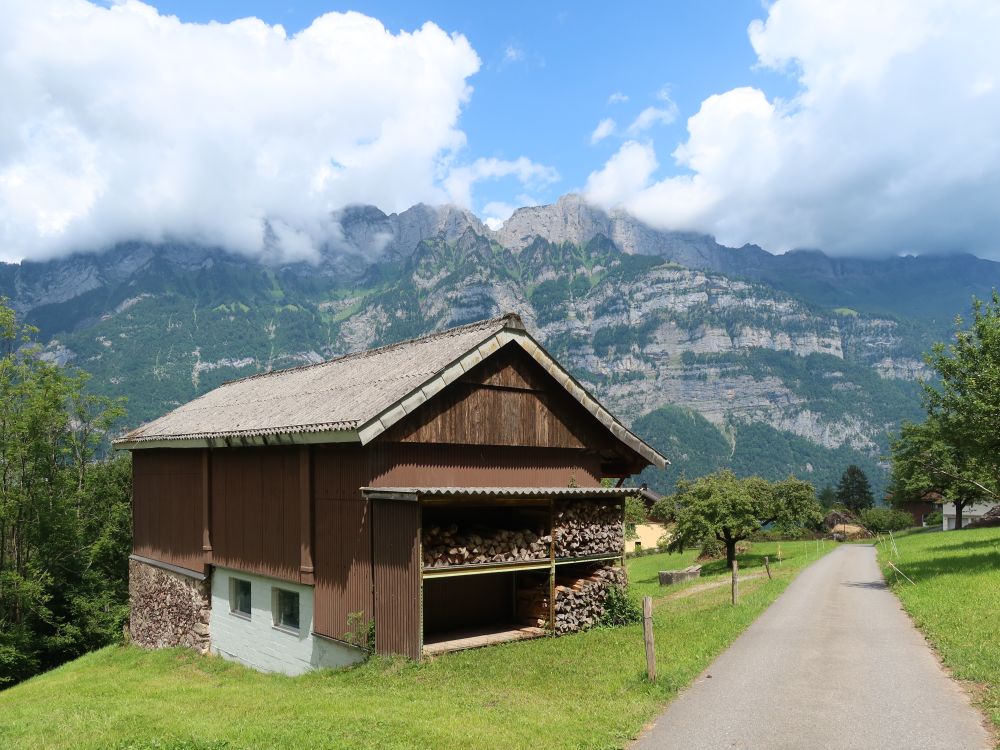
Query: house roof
{"x":355,"y":397}
{"x":415,"y":493}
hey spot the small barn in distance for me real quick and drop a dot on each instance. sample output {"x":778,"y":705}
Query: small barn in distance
{"x":446,"y":489}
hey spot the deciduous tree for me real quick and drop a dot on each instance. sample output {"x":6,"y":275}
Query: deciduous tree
{"x":720,"y":506}
{"x":65,"y":522}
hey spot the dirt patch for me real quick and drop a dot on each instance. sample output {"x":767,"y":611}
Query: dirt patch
{"x":708,"y":586}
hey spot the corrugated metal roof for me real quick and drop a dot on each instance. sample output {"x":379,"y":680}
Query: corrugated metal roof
{"x":356,"y":397}
{"x":502,"y":492}
{"x":336,"y":395}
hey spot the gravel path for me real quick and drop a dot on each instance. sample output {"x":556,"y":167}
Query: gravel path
{"x":833,"y":663}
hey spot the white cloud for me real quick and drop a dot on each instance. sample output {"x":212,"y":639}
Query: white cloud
{"x":604,"y":128}
{"x":889,"y":145}
{"x":460,"y":180}
{"x":513,"y":53}
{"x":495,"y":213}
{"x":122,"y":123}
{"x":625,"y":175}
{"x":618,"y":98}
{"x":651,"y":116}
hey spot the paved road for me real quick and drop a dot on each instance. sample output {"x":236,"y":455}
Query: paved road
{"x":833,"y":663}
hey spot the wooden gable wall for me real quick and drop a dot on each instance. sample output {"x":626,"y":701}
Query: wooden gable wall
{"x":507,"y":400}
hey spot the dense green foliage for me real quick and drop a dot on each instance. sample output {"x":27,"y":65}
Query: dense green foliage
{"x":635,"y":514}
{"x":854,"y":491}
{"x":955,"y":603}
{"x":827,"y":497}
{"x":65,"y":519}
{"x":882,"y":520}
{"x":723,"y":507}
{"x":576,"y":692}
{"x":955,"y":453}
{"x":696,"y":447}
{"x":621,"y":607}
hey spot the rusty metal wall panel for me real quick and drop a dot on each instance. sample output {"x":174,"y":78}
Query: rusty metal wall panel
{"x":396,"y":553}
{"x":167,"y":507}
{"x":415,"y":465}
{"x":342,"y":541}
{"x":255,"y":511}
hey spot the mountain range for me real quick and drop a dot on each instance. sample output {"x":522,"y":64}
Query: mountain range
{"x":772,"y":364}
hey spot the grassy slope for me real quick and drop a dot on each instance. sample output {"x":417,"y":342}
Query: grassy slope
{"x":581,"y":691}
{"x":956,"y":602}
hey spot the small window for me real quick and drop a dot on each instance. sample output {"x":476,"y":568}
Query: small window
{"x":239,"y":597}
{"x":286,"y":609}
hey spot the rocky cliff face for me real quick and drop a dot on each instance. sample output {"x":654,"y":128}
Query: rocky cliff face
{"x":645,"y":319}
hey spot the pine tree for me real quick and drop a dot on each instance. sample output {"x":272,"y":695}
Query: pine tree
{"x":827,"y":497}
{"x":854,"y":491}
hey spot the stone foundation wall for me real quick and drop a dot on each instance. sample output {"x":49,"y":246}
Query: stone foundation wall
{"x":168,"y":609}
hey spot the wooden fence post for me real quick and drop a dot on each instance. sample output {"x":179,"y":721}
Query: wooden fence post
{"x":647,"y":636}
{"x":767,"y":567}
{"x":736,"y":583}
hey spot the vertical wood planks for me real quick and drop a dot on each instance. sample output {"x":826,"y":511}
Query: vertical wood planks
{"x":305,"y":515}
{"x":398,"y":583}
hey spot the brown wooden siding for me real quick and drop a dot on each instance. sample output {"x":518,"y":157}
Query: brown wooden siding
{"x":397,"y":568}
{"x":414,"y":465}
{"x":342,"y":538}
{"x":167,"y":506}
{"x":506,"y":400}
{"x":255,"y":511}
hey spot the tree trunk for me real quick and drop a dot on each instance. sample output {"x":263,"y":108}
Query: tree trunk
{"x":730,"y":552}
{"x":959,"y":507}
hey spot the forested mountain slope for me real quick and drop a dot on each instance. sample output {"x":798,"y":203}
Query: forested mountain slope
{"x":720,"y":356}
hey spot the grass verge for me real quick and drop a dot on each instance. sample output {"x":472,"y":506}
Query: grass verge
{"x":580,"y":691}
{"x":955,"y":601}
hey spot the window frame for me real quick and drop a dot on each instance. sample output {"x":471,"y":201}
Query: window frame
{"x":276,"y":592}
{"x":234,"y":582}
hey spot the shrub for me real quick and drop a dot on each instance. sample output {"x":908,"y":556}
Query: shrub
{"x":880,"y":520}
{"x":620,"y":608}
{"x":711,"y":549}
{"x":934,"y":519}
{"x":361,"y":631}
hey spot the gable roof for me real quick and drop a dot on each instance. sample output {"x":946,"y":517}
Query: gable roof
{"x":355,"y":397}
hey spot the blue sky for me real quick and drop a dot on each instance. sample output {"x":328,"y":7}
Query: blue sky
{"x":548,"y":69}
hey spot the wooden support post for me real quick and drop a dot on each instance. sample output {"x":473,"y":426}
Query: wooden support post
{"x":552,"y":565}
{"x":736,"y":583}
{"x":647,"y":636}
{"x":767,"y":566}
{"x":306,"y":571}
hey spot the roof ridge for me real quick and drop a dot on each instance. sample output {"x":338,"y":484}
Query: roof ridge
{"x":509,"y":317}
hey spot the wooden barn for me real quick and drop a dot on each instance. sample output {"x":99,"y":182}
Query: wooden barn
{"x":446,"y":490}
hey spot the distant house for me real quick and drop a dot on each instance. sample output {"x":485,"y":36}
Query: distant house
{"x":647,"y":536}
{"x":919,"y":510}
{"x":970,"y":513}
{"x":438,"y":493}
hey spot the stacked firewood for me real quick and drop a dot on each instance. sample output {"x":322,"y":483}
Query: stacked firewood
{"x":580,"y":600}
{"x":533,"y":604}
{"x":588,"y":527}
{"x":451,"y":545}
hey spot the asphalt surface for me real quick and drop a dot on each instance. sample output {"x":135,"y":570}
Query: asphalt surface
{"x":833,"y":663}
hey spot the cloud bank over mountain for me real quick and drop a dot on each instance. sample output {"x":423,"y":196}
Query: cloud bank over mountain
{"x":889,"y":145}
{"x":122,"y":123}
